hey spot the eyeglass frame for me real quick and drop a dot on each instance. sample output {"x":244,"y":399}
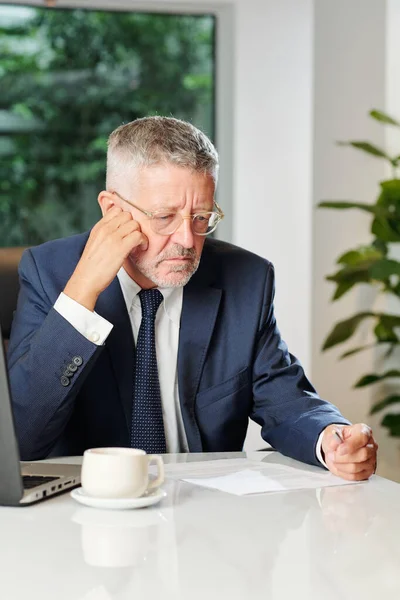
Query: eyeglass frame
{"x":219,"y":212}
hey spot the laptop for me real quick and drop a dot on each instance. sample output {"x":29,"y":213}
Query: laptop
{"x":24,"y":483}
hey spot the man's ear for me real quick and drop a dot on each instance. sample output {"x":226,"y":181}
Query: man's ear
{"x":106,"y":201}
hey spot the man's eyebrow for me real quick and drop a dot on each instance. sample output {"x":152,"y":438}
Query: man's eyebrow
{"x":176,"y":208}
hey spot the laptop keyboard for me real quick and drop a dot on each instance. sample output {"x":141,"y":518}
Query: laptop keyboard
{"x":31,"y":481}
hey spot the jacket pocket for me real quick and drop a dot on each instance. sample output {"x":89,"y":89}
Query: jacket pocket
{"x":221,"y":390}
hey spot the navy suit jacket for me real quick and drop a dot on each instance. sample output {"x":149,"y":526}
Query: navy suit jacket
{"x":232,"y":362}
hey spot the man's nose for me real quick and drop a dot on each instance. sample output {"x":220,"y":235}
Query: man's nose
{"x":184,"y":234}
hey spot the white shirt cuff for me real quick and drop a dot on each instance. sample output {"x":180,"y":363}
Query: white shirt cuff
{"x":92,"y":326}
{"x":318,"y":449}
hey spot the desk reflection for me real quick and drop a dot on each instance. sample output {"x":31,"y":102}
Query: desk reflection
{"x":137,"y":547}
{"x":59,"y":550}
{"x":354,"y":544}
{"x":112,"y":539}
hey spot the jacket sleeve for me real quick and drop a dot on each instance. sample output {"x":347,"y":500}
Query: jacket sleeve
{"x":286,"y":405}
{"x":48,"y":361}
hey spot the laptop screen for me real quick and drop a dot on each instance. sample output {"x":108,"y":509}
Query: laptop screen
{"x":10,"y":471}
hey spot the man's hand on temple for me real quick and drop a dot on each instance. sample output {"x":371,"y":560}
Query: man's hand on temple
{"x":109,"y":243}
{"x":354,"y":458}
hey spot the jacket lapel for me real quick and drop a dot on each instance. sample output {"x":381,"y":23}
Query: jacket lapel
{"x":120,"y":343}
{"x":199,"y":312}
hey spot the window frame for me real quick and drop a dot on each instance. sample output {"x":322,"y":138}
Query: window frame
{"x":224,"y":77}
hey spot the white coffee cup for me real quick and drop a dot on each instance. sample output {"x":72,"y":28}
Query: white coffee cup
{"x":119,"y":472}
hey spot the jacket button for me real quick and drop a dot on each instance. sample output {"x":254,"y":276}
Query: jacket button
{"x":72,"y":367}
{"x":68,"y":373}
{"x":64,"y":381}
{"x":77,"y":360}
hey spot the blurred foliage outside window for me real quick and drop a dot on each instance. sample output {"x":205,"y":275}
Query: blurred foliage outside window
{"x":67,"y":79}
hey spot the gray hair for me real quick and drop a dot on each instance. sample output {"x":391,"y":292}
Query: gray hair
{"x":159,"y":140}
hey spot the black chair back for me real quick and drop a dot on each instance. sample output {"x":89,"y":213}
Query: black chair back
{"x":9,"y":286}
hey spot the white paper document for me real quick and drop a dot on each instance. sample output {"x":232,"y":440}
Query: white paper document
{"x":244,"y":476}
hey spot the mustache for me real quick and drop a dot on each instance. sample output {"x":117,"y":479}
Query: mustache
{"x":177,"y":251}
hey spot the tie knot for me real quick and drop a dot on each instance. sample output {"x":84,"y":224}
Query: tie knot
{"x":150,"y":301}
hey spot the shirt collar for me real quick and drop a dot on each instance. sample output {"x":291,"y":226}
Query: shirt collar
{"x":173,"y":297}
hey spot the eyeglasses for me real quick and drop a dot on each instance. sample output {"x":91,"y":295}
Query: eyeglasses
{"x":166,"y":222}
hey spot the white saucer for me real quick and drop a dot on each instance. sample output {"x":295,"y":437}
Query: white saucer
{"x":79,"y":495}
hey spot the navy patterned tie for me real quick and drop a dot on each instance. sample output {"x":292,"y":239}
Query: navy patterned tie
{"x":147,"y":430}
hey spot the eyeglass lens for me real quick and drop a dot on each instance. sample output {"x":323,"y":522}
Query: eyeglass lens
{"x":167,"y":223}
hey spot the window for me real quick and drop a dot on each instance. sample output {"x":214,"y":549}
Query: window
{"x":68,"y":77}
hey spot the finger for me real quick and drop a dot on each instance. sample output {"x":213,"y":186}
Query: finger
{"x":110,"y":214}
{"x":361,"y":476}
{"x":118,"y":220}
{"x":113,"y":212}
{"x":352,"y":468}
{"x":127,"y":228}
{"x":331,"y":439}
{"x":134,"y":240}
{"x":332,"y":444}
{"x":349,"y":430}
{"x":355,"y":437}
{"x":364,"y":471}
{"x":359,"y":456}
{"x":109,"y":222}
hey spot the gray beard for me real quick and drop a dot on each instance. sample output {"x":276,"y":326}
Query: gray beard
{"x":165,"y":282}
{"x":186,"y":270}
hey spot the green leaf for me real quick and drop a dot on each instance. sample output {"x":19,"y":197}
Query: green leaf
{"x":383,"y":117}
{"x":367,"y":380}
{"x":386,"y":224}
{"x":383,"y":269}
{"x":356,"y":350}
{"x":389,"y":320}
{"x":351,"y":257}
{"x":343,"y":330}
{"x":374,"y":378}
{"x":390,"y":350}
{"x":367,"y":147}
{"x":343,"y":205}
{"x":357,"y":264}
{"x":385,"y":333}
{"x":360,"y":255}
{"x":350,"y":275}
{"x":392,"y":422}
{"x":366,"y":347}
{"x":346,"y":278}
{"x":385,"y":229}
{"x":380,"y":246}
{"x":342,"y":288}
{"x":384,"y":403}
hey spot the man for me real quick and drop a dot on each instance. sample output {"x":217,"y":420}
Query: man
{"x":183,"y":345}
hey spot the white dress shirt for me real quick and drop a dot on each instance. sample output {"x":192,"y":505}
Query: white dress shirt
{"x":96,"y":329}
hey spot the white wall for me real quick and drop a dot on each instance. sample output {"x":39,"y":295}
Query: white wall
{"x":273,"y":155}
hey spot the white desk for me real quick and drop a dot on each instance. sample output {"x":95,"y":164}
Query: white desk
{"x":341,"y":543}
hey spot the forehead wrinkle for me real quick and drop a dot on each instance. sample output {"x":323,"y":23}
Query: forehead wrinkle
{"x":161,"y":188}
{"x":201,"y":205}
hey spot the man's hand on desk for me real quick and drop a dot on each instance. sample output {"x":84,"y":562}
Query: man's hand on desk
{"x":354,"y":458}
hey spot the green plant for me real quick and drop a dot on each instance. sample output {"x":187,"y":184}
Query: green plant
{"x":68,"y":77}
{"x":373,"y":264}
